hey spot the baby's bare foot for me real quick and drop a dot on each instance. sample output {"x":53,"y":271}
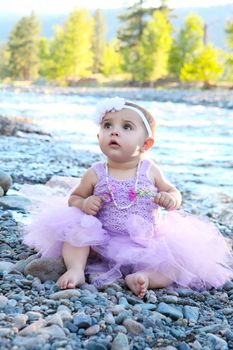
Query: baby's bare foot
{"x":70,"y":279}
{"x":138,"y":282}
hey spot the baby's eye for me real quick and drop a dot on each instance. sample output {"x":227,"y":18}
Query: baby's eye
{"x":127,"y":126}
{"x":107,"y":125}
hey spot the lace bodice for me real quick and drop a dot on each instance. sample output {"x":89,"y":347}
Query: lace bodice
{"x":116,"y":220}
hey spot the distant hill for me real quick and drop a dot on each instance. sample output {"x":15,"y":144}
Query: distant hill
{"x":215,"y":18}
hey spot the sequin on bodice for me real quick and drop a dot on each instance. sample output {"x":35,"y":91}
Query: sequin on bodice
{"x":116,"y":220}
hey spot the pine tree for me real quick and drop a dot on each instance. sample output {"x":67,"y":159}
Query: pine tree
{"x":129,"y":34}
{"x":134,"y":21}
{"x":98,"y":40}
{"x":23,"y":49}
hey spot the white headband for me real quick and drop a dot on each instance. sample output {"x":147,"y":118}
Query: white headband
{"x":117,"y":104}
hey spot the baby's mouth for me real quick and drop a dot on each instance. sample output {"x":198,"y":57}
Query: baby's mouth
{"x":113,"y":143}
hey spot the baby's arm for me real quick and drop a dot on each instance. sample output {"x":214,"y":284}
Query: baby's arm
{"x":168,"y":196}
{"x":82,"y":197}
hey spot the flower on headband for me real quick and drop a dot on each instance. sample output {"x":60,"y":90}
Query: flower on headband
{"x":108,"y":105}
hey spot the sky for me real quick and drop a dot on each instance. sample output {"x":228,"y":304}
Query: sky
{"x":65,"y":6}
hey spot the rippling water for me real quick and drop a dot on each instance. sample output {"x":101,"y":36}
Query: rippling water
{"x":194,"y":144}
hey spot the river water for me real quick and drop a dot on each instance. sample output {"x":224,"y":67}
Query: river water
{"x":194,"y":144}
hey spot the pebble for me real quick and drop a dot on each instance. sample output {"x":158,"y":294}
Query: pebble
{"x":191,"y":313}
{"x":120,"y":342}
{"x":133,"y":326}
{"x":32,"y":328}
{"x":3,"y":301}
{"x":92,"y":330}
{"x":20,"y":321}
{"x":36,"y":313}
{"x":170,"y":311}
{"x":65,"y":294}
{"x":82,"y":320}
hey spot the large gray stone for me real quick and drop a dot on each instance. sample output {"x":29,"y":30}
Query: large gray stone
{"x":46,"y":268}
{"x":5,"y":181}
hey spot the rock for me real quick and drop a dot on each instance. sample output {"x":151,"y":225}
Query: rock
{"x":82,"y":320}
{"x":217,"y":343}
{"x":95,"y":346}
{"x":134,"y":326}
{"x":15,"y":202}
{"x":120,"y":342}
{"x":46,"y":268}
{"x":170,"y":311}
{"x":53,"y":331}
{"x":6,"y":266}
{"x":92,"y":330}
{"x":54,"y":319}
{"x":20,"y":321}
{"x":5,"y":182}
{"x":191,"y":313}
{"x":21,"y":264}
{"x":33,"y":328}
{"x":3,"y":301}
{"x":29,"y":341}
{"x":65,"y":294}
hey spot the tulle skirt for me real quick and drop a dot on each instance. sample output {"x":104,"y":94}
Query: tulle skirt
{"x":188,"y":250}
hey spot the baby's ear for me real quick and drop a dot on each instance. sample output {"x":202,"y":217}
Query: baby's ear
{"x":148,"y":143}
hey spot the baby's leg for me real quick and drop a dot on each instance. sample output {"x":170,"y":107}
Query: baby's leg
{"x":140,"y":281}
{"x":75,"y":259}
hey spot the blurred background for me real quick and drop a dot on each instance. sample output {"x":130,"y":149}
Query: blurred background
{"x":131,"y":43}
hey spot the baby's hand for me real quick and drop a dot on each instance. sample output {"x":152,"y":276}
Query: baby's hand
{"x":91,"y":205}
{"x":165,"y":200}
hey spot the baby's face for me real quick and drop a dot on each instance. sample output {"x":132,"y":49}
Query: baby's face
{"x":122,"y":135}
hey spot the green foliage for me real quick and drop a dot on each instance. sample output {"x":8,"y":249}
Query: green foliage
{"x":98,"y":40}
{"x":153,"y":50}
{"x":112,"y":59}
{"x":46,"y":60}
{"x":129,"y":34}
{"x":229,"y":33}
{"x":229,"y":60}
{"x":204,"y":66}
{"x":23,"y":49}
{"x":188,"y":41}
{"x":71,"y":48}
{"x":4,"y":61}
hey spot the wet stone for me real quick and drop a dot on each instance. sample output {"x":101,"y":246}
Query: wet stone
{"x":191,"y":313}
{"x":170,"y":311}
{"x":82,"y":320}
{"x":133,"y":326}
{"x":120,"y":342}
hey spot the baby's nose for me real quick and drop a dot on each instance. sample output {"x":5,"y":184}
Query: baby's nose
{"x":114,"y":132}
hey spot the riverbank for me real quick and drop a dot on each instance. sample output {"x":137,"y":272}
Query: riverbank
{"x":216,"y":97}
{"x":37,"y":316}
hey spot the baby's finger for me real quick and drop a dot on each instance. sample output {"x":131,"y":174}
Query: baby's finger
{"x":98,"y":201}
{"x":92,"y":211}
{"x":157,"y":198}
{"x":165,"y":201}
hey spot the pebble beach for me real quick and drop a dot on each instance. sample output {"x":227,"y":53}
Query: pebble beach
{"x":36,"y":315}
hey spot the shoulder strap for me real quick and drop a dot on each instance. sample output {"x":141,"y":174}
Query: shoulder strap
{"x":145,"y":165}
{"x":99,"y":169}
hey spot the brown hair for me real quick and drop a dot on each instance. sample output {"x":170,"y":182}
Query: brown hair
{"x":146,"y":113}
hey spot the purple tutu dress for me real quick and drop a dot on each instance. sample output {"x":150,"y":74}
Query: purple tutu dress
{"x":130,"y":234}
